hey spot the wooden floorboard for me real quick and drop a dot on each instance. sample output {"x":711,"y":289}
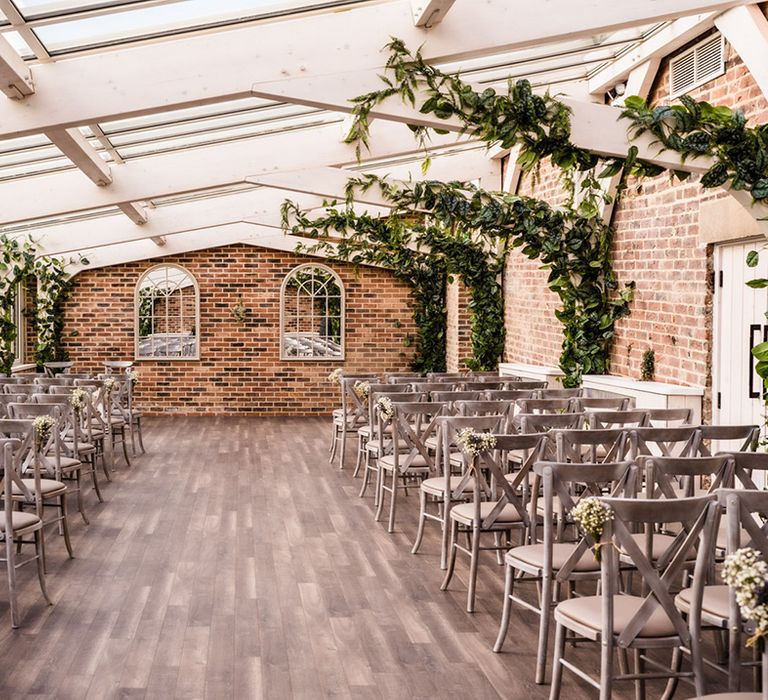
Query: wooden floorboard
{"x":232,"y":561}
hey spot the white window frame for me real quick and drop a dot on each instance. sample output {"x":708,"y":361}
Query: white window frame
{"x":342,"y":313}
{"x":164,"y":358}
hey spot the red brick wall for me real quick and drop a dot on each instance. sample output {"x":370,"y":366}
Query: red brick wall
{"x":657,"y":245}
{"x":458,"y":337}
{"x":240,"y":370}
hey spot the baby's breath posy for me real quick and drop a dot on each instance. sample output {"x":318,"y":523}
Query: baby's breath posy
{"x":43,"y":426}
{"x":746,"y":573}
{"x":385,"y":408}
{"x":591,"y":515}
{"x":362,"y":389}
{"x":474,"y":443}
{"x":335,"y":376}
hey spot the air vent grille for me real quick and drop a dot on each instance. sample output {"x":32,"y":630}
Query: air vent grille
{"x":697,"y":65}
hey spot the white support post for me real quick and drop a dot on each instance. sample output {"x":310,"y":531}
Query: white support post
{"x":428,"y":13}
{"x":512,"y":172}
{"x":15,"y":75}
{"x":75,"y":146}
{"x":746,"y":29}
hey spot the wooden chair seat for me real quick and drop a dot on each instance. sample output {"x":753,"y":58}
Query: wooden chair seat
{"x":530,"y":558}
{"x":587,"y":612}
{"x":661,"y":543}
{"x":464,"y":513}
{"x":22,"y":522}
{"x":715,"y":603}
{"x":418,"y":463}
{"x":67,"y":463}
{"x":48,"y":488}
{"x":435,"y":486}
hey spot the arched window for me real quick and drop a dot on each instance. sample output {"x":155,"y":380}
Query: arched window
{"x":167,"y":314}
{"x":312,"y":314}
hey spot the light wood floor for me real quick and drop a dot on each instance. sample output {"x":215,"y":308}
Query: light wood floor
{"x":233,"y":561}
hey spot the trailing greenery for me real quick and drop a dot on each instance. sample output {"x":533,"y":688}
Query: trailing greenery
{"x":53,"y":287}
{"x":363,"y":239}
{"x":471,"y":231}
{"x":648,"y":365}
{"x":16,"y":262}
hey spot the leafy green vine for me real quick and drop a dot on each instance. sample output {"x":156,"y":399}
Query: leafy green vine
{"x":472,"y":231}
{"x":53,"y":287}
{"x":16,"y":262}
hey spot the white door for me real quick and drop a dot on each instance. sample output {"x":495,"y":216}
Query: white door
{"x":739,"y":324}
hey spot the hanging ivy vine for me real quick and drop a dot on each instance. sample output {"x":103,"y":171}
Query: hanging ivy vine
{"x":53,"y":286}
{"x":471,"y":231}
{"x":16,"y":262}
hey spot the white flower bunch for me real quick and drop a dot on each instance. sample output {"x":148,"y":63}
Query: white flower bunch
{"x":335,"y":376}
{"x":43,"y":426}
{"x":385,"y":408}
{"x":109,"y":384}
{"x":474,"y":443}
{"x":77,"y":399}
{"x":133,"y":376}
{"x":591,"y":514}
{"x":362,"y":389}
{"x":746,"y":573}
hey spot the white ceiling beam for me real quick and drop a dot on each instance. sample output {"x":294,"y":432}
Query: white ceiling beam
{"x":15,"y":76}
{"x":195,"y":169}
{"x":428,"y":13}
{"x":666,"y":41}
{"x":221,"y":66}
{"x":256,"y":204}
{"x":19,"y":23}
{"x":75,"y":146}
{"x":746,"y":29}
{"x":135,"y":212}
{"x":512,"y":172}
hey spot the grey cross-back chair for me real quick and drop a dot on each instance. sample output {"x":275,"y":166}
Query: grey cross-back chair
{"x":41,"y":466}
{"x":553,"y":405}
{"x":524,"y":385}
{"x":544,"y":422}
{"x":669,"y":417}
{"x":663,"y":442}
{"x":489,"y":408}
{"x":401,"y":377}
{"x":483,"y":385}
{"x":429,"y":387}
{"x":446,"y":376}
{"x":380,"y":444}
{"x":449,"y":484}
{"x":745,"y":464}
{"x":498,"y":504}
{"x":366,"y":430}
{"x":592,"y":446}
{"x":718,"y":610}
{"x":451,"y":397}
{"x":554,"y":561}
{"x":7,"y":399}
{"x":16,"y":525}
{"x":574,"y":393}
{"x":413,"y":423}
{"x":739,"y":438}
{"x":508,"y":394}
{"x":641,"y":622}
{"x":27,"y":389}
{"x":348,"y":419}
{"x":616,"y":419}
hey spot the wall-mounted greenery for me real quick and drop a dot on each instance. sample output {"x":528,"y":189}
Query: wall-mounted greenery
{"x":16,"y":262}
{"x":471,"y":231}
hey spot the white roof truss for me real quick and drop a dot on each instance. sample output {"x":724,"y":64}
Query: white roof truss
{"x":15,"y":75}
{"x":746,"y":28}
{"x":428,"y":13}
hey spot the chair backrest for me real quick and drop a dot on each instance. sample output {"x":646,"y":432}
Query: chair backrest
{"x":59,"y":380}
{"x":11,"y":451}
{"x":739,"y":438}
{"x":27,"y":389}
{"x":413,"y":423}
{"x":27,"y":453}
{"x":524,"y":384}
{"x":7,"y":399}
{"x":664,"y":473}
{"x":561,"y":393}
{"x":591,"y":446}
{"x":744,"y":466}
{"x":354,"y":407}
{"x":483,"y":385}
{"x":559,"y":405}
{"x":486,"y":473}
{"x":740,"y":507}
{"x":451,"y":397}
{"x":663,"y":442}
{"x":603,"y":403}
{"x":394,"y":397}
{"x":428,"y":387}
{"x":616,"y":419}
{"x":544,"y":422}
{"x":508,"y":394}
{"x":668,"y":417}
{"x":447,"y":428}
{"x":489,"y":376}
{"x":488,"y":408}
{"x":401,"y":377}
{"x":450,"y":376}
{"x":660,"y":572}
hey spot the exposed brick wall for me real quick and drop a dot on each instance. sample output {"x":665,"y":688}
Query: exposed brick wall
{"x":458,"y":337}
{"x":657,"y":245}
{"x":240,"y":370}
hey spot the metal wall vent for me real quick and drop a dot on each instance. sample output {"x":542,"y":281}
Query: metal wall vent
{"x":697,"y":65}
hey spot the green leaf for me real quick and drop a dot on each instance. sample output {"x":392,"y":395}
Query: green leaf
{"x":753,"y":257}
{"x":760,"y":283}
{"x":760,"y":351}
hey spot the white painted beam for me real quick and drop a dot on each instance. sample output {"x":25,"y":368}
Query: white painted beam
{"x":666,"y":41}
{"x":134,"y":211}
{"x":512,"y":172}
{"x":222,"y":66}
{"x":428,"y":13}
{"x":189,"y":241}
{"x":211,"y":166}
{"x":75,"y":146}
{"x":15,"y":75}
{"x":746,"y":29}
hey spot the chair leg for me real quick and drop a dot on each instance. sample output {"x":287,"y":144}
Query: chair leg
{"x":104,"y":462}
{"x":557,"y":667}
{"x":444,"y":535}
{"x":497,"y":542}
{"x":422,"y":521}
{"x":95,"y":479}
{"x":545,"y":605}
{"x":334,"y":442}
{"x":675,"y":666}
{"x":65,"y":524}
{"x":380,"y":491}
{"x":140,"y":435}
{"x":606,"y":668}
{"x":40,"y":552}
{"x":343,"y":452}
{"x":452,"y":556}
{"x":80,"y":503}
{"x":393,"y":501}
{"x":10,"y":563}
{"x":509,"y":582}
{"x":474,"y":560}
{"x":360,"y":450}
{"x":133,"y":436}
{"x":639,"y":665}
{"x":366,"y":476}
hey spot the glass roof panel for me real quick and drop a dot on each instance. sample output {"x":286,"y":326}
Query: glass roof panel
{"x":132,"y":24}
{"x":17,"y":42}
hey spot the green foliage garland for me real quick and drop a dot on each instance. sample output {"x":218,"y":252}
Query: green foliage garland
{"x":454,"y":221}
{"x":53,"y":287}
{"x":16,"y":262}
{"x":362,"y":239}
